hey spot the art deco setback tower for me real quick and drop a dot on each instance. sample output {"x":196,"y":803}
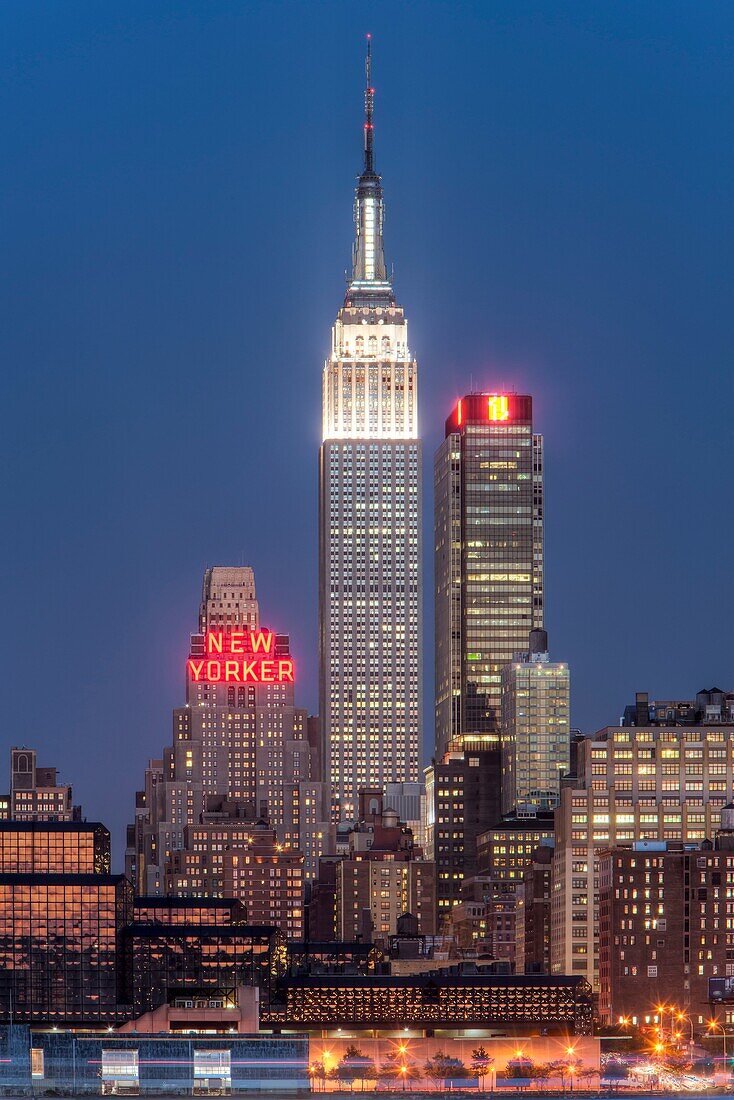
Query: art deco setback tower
{"x":240,"y":745}
{"x":489,"y":559}
{"x":370,"y":523}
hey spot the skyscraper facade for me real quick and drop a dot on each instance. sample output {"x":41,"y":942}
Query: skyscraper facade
{"x":370,"y":523}
{"x":488,"y":559}
{"x":536,"y":728}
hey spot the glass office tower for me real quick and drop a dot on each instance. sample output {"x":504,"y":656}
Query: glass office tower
{"x":488,"y":559}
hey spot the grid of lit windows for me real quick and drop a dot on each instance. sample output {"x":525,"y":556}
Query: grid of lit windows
{"x":370,"y":615}
{"x":54,"y":848}
{"x":58,"y":946}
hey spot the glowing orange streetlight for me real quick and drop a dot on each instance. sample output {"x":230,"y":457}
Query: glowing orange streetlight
{"x":682,"y":1018}
{"x":660,"y":1009}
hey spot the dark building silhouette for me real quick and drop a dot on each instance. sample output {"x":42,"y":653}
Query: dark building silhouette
{"x":464,"y":793}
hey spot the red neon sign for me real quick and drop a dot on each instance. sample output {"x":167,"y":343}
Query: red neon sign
{"x":240,"y":657}
{"x":239,"y":641}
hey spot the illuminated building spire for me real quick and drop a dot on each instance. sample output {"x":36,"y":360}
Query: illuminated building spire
{"x":369,"y":105}
{"x":369,"y":285}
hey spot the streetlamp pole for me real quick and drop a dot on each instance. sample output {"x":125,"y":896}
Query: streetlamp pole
{"x":723,"y":1050}
{"x":689,"y":1021}
{"x":713,"y":1025}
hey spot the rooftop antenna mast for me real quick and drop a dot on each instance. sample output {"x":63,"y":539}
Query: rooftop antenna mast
{"x":369,"y":103}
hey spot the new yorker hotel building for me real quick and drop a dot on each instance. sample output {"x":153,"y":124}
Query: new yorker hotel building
{"x":240,"y":744}
{"x":370,"y":522}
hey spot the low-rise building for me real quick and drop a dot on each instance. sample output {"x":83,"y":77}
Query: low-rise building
{"x":61,"y":913}
{"x":244,"y":861}
{"x":383,"y":876}
{"x":463,"y":793}
{"x":443,"y":999}
{"x":666,"y":928}
{"x":35,"y":792}
{"x":652,"y":782}
{"x":505,"y":851}
{"x":197,"y":967}
{"x":532,"y":915}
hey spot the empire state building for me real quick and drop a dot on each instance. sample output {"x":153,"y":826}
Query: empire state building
{"x":370,"y":522}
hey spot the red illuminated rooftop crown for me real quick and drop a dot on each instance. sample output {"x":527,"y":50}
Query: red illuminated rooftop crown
{"x":490,"y":408}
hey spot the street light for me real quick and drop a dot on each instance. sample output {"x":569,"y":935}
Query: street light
{"x":326,"y":1057}
{"x":712,"y":1026}
{"x":675,"y":1014}
{"x":687,"y":1020}
{"x":660,"y":1010}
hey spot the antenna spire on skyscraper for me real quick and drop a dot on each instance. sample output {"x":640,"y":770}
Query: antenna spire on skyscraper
{"x":369,"y":273}
{"x":369,"y":103}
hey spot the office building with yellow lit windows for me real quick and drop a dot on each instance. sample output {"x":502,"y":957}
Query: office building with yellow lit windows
{"x":488,"y":492}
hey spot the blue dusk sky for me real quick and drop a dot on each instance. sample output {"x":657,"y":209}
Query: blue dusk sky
{"x":176,"y":194}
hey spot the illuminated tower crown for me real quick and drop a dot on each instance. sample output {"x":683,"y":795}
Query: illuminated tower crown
{"x":369,"y":344}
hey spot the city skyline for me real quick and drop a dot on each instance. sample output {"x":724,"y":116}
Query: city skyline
{"x":90,"y":510}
